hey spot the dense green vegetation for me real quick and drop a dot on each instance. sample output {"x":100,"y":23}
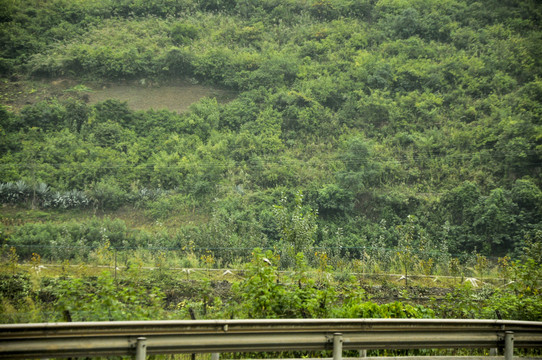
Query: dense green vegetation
{"x":136,"y":291}
{"x":404,"y":135}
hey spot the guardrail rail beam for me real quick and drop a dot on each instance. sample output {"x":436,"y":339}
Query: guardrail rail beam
{"x":57,"y":340}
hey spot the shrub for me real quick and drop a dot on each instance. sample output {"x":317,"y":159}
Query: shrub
{"x":37,"y":238}
{"x":177,"y":62}
{"x":163,"y":207}
{"x":14,"y":193}
{"x":102,"y":300}
{"x":395,"y":310}
{"x":15,"y":288}
{"x":47,"y":115}
{"x":107,"y":195}
{"x":183,"y":33}
{"x":70,"y":240}
{"x":67,"y":200}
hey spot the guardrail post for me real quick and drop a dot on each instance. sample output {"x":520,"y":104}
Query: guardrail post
{"x":141,"y":348}
{"x":337,"y":346}
{"x":508,"y":345}
{"x":362,"y":353}
{"x":215,"y":356}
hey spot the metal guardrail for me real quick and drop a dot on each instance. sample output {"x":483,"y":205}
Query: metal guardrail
{"x":138,"y":338}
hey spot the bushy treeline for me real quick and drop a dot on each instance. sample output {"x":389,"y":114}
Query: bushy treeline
{"x":414,"y":120}
{"x":84,"y":240}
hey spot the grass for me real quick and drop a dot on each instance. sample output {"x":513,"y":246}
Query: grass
{"x":16,"y":215}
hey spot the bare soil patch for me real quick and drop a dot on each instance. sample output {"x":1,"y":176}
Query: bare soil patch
{"x":174,"y":97}
{"x":139,"y":95}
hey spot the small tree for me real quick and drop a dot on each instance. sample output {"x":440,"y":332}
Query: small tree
{"x":482,"y":265}
{"x":35,"y":261}
{"x":405,"y":245}
{"x":208,"y":260}
{"x":297,"y":226}
{"x":296,"y":297}
{"x":504,"y":268}
{"x":13,"y":260}
{"x":262,"y":295}
{"x":455,"y":268}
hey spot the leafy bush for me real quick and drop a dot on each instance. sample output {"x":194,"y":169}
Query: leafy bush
{"x":102,"y":299}
{"x":72,"y":199}
{"x":107,"y":195}
{"x":15,"y":288}
{"x":42,"y":195}
{"x":297,"y":227}
{"x":333,"y":200}
{"x":70,"y":240}
{"x":395,"y":310}
{"x":37,"y":238}
{"x":214,"y":65}
{"x":114,"y":111}
{"x":13,"y":193}
{"x":19,"y":193}
{"x":47,"y":115}
{"x":145,"y":195}
{"x":183,"y":33}
{"x":161,"y":207}
{"x":264,"y":296}
{"x":177,"y":62}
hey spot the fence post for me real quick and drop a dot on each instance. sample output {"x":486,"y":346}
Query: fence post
{"x":362,"y":353}
{"x":215,"y":356}
{"x":141,"y":348}
{"x":337,"y":346}
{"x":508,"y":345}
{"x":116,"y":265}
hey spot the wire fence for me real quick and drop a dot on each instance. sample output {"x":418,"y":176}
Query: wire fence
{"x":365,"y":262}
{"x":349,"y":252}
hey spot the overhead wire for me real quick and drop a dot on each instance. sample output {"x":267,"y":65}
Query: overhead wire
{"x":338,"y":159}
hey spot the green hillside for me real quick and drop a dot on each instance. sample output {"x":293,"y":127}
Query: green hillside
{"x":359,"y":128}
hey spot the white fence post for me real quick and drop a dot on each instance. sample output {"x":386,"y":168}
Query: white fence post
{"x":141,"y":348}
{"x":509,"y":345}
{"x":337,"y":346}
